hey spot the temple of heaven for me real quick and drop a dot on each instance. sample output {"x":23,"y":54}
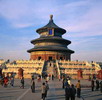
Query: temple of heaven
{"x":51,"y":57}
{"x":50,"y":45}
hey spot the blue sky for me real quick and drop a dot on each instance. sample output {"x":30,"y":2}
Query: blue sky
{"x":82,"y":19}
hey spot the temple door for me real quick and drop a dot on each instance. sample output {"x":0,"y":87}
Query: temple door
{"x":80,"y":74}
{"x":20,"y":72}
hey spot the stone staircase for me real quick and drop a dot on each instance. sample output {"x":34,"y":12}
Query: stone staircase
{"x":50,"y":68}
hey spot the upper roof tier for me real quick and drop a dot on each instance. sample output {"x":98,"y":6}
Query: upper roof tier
{"x":51,"y":25}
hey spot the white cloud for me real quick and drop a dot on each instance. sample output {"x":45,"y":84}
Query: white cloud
{"x":19,"y":13}
{"x":22,"y":25}
{"x":12,"y":9}
{"x":88,"y":56}
{"x":81,"y":18}
{"x":89,"y":24}
{"x":25,"y":12}
{"x":15,"y":55}
{"x":16,"y":51}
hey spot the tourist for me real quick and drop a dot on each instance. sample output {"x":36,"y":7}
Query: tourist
{"x":89,"y":77}
{"x":32,"y":77}
{"x":52,"y":77}
{"x":39,"y":78}
{"x":22,"y":82}
{"x":43,"y":90}
{"x":5,"y":81}
{"x":97,"y":84}
{"x":78,"y":86}
{"x":59,"y":78}
{"x":67,"y":92}
{"x":47,"y":78}
{"x":101,"y":86}
{"x":92,"y":84}
{"x":73,"y":92}
{"x":0,"y":80}
{"x":12,"y":81}
{"x":66,"y":83}
{"x":94,"y":76}
{"x":47,"y":88}
{"x":33,"y":85}
{"x":63,"y":83}
{"x":69,"y":82}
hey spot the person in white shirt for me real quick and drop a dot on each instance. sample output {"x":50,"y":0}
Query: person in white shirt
{"x":69,"y":82}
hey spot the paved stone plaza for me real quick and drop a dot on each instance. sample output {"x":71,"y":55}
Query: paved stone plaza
{"x":55,"y":92}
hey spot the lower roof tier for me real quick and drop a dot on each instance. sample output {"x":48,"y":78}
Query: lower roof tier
{"x":50,"y":48}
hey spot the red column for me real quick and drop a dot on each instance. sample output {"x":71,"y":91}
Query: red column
{"x":20,"y":72}
{"x":80,"y":74}
{"x":99,"y":74}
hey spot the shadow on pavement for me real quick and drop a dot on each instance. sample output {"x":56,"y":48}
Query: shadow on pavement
{"x":57,"y":97}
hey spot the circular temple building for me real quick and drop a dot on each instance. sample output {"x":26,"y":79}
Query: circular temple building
{"x":51,"y":56}
{"x":50,"y":45}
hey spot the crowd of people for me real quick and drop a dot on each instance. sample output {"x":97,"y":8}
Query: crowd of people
{"x":9,"y":80}
{"x":5,"y":80}
{"x":96,"y":85}
{"x":71,"y":90}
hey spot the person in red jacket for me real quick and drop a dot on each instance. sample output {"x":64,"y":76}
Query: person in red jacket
{"x":5,"y":81}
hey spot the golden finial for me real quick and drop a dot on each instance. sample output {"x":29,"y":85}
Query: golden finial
{"x":51,"y":17}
